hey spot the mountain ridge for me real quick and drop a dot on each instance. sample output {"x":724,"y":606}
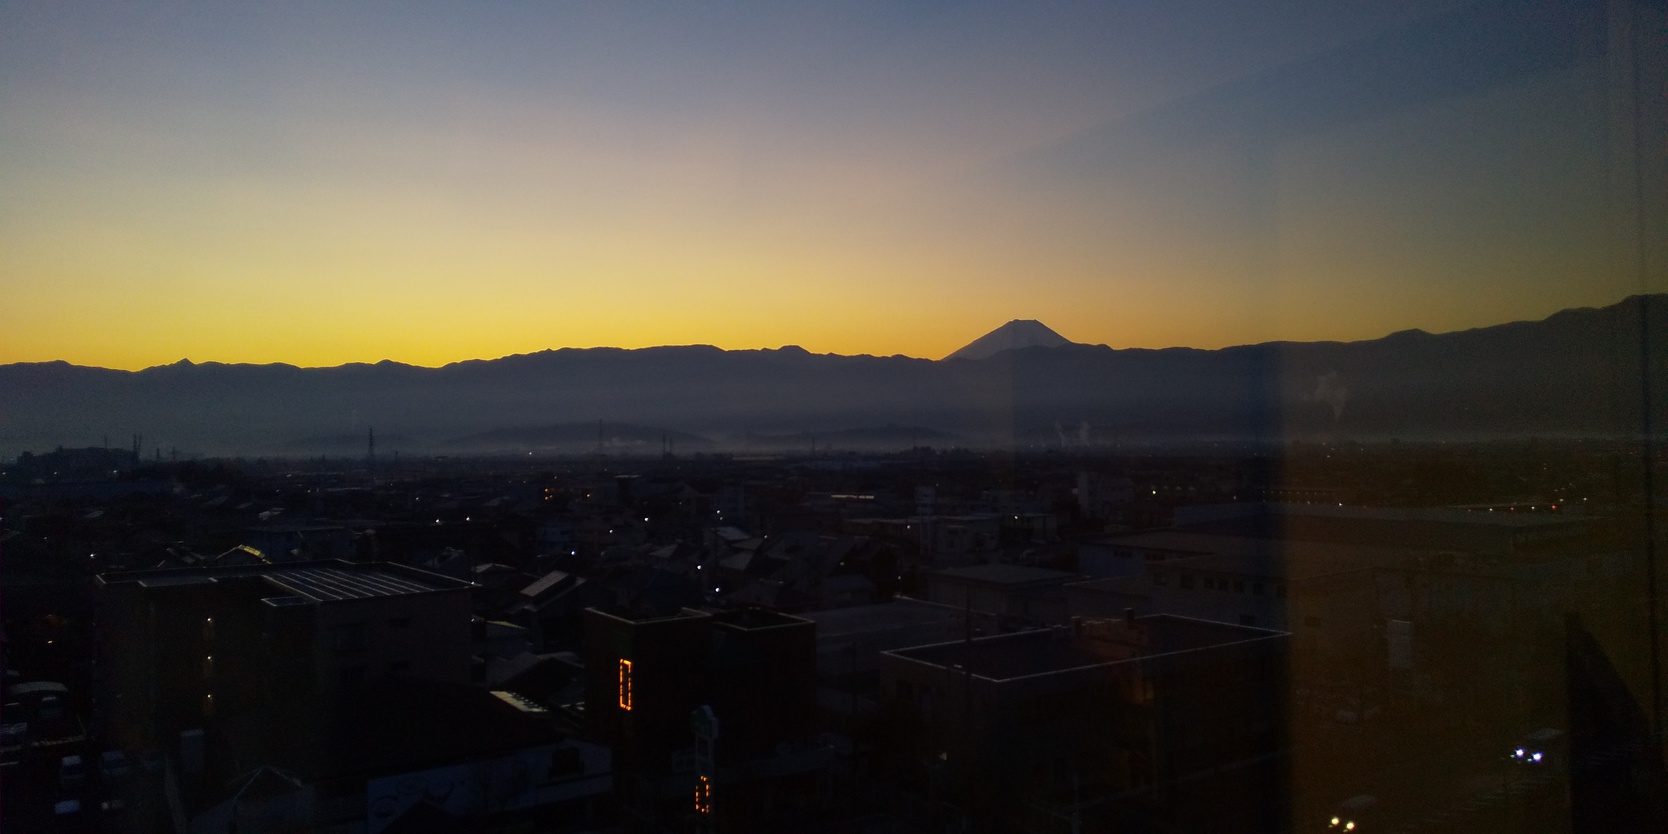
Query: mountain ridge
{"x":1576,"y":371}
{"x":798,"y":350}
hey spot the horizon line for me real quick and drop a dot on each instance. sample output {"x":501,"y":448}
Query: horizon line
{"x":187,"y":361}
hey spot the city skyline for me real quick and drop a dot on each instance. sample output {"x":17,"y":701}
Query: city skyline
{"x":319,"y":186}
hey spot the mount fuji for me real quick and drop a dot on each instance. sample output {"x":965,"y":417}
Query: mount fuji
{"x":1019,"y":333}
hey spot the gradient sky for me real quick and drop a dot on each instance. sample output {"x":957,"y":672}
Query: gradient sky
{"x":432,"y":182}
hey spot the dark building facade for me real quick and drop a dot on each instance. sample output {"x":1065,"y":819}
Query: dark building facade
{"x":752,"y":760}
{"x":1117,"y":724}
{"x":184,"y":648}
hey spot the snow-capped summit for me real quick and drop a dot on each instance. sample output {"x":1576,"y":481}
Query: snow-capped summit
{"x":1018,"y":333}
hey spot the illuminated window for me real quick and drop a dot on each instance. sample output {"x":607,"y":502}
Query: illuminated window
{"x":703,"y":795}
{"x":625,"y":684}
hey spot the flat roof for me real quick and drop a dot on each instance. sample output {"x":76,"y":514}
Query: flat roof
{"x":881,"y":616}
{"x":1294,"y":559}
{"x":756,"y":618}
{"x":1053,"y":650}
{"x":1272,"y":554}
{"x":329,"y":584}
{"x":1003,"y":574}
{"x":544,"y":583}
{"x":1126,"y":585}
{"x":294,"y":527}
{"x":173,"y":581}
{"x":626,"y":615}
{"x":328,"y":580}
{"x":1443,"y":515}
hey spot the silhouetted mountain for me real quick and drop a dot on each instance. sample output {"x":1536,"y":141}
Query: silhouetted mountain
{"x":1019,"y":333}
{"x":1578,"y":372}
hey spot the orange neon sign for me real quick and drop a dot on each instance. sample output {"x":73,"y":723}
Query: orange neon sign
{"x":625,"y":684}
{"x":703,"y":795}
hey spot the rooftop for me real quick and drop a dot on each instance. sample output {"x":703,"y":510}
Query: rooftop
{"x":1292,"y":559}
{"x":1000,"y":574}
{"x":1442,"y":515}
{"x":544,"y":583}
{"x":329,"y":583}
{"x":755,"y":618}
{"x":330,"y":580}
{"x":1267,"y":557}
{"x":1095,"y":643}
{"x":901,"y":612}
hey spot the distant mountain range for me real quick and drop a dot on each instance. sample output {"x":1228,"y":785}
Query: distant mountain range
{"x":1579,"y":372}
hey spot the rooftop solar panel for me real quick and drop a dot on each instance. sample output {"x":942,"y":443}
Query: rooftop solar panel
{"x":328,"y":584}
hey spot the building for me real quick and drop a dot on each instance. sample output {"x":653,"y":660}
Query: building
{"x":1281,"y":585}
{"x":939,"y":539}
{"x":184,"y":648}
{"x":1479,"y":531}
{"x":1019,"y":593}
{"x":296,"y":542}
{"x":1150,"y":723}
{"x":374,"y":756}
{"x":1338,"y":578}
{"x":754,"y":759}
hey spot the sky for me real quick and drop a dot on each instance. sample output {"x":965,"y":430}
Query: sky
{"x":429,"y":182}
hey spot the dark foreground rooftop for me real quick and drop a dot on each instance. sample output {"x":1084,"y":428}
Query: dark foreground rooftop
{"x":318,"y":581}
{"x":1089,"y":643}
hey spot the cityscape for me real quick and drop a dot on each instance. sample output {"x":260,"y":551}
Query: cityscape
{"x":874,"y":418}
{"x":1220,"y":636}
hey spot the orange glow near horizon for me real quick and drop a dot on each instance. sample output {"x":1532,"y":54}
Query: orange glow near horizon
{"x":364,"y":278}
{"x":447,"y":186}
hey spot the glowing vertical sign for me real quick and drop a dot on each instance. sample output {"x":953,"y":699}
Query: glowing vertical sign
{"x":704,"y":723}
{"x":625,"y":684}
